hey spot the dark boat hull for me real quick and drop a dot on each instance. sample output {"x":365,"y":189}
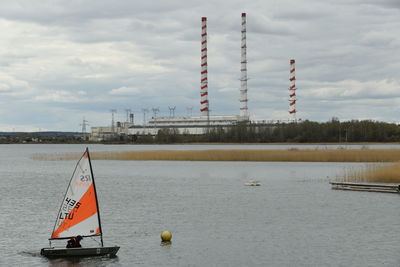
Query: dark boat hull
{"x":78,"y":252}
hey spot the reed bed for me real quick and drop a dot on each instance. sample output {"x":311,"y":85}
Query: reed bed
{"x":387,"y":174}
{"x":373,"y":173}
{"x":294,"y":155}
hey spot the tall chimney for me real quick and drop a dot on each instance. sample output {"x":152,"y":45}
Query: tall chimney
{"x":244,"y":112}
{"x":204,"y":77}
{"x":292,"y":90}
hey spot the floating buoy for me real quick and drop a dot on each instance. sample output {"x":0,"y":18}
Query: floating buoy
{"x":166,"y":236}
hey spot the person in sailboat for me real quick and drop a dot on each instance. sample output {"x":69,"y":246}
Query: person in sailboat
{"x":74,"y":242}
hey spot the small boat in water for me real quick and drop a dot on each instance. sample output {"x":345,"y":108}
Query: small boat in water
{"x":252,"y":183}
{"x":79,"y":252}
{"x":79,"y":215}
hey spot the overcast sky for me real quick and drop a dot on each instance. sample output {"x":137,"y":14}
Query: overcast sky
{"x":62,"y":61}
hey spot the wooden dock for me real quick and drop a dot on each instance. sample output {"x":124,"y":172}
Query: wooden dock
{"x":384,"y":188}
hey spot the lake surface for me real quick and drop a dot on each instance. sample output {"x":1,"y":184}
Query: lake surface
{"x":292,"y":219}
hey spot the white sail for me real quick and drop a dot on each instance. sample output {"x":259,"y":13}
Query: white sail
{"x":79,"y":214}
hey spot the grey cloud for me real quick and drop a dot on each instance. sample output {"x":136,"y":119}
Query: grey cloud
{"x":99,"y":46}
{"x":384,"y":3}
{"x":75,"y":12}
{"x":264,"y":25}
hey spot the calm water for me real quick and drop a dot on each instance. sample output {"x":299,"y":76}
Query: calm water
{"x":292,"y":219}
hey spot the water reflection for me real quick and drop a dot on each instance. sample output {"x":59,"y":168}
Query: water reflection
{"x":73,"y":262}
{"x":83,"y":262}
{"x":165,"y":243}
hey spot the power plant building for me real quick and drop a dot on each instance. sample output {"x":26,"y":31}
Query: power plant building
{"x":184,"y":125}
{"x":99,"y":133}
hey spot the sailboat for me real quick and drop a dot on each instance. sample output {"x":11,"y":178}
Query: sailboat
{"x":79,"y":215}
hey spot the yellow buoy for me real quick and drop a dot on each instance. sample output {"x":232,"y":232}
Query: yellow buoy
{"x":166,"y":236}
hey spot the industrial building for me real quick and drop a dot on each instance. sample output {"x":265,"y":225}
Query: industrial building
{"x":184,"y":125}
{"x":100,"y":133}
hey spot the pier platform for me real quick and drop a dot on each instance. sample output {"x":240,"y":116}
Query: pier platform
{"x":370,"y":187}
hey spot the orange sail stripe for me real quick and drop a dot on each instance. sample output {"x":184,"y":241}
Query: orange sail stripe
{"x":86,"y":209}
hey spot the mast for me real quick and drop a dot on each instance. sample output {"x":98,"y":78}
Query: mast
{"x":95,"y":194}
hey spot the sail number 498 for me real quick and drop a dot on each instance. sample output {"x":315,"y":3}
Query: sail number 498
{"x":69,"y":207}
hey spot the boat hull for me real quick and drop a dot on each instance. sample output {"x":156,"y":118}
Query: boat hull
{"x":252,"y":183}
{"x":78,"y":252}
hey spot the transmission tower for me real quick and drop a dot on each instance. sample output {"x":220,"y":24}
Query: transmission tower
{"x":155,"y":111}
{"x":172,"y":111}
{"x":128,"y":112}
{"x":144,"y":110}
{"x":189,"y":111}
{"x":113,"y":111}
{"x":84,"y":124}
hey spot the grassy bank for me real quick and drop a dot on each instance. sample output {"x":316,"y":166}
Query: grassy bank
{"x":299,"y":155}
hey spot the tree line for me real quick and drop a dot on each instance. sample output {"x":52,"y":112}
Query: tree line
{"x":296,"y":132}
{"x":245,"y":132}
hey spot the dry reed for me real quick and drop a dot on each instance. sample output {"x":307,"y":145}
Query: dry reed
{"x":374,"y":173}
{"x":353,"y":155}
{"x":294,"y":155}
{"x":371,"y":173}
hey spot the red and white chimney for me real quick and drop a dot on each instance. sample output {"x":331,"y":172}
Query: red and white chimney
{"x":204,"y":105}
{"x":292,"y":90}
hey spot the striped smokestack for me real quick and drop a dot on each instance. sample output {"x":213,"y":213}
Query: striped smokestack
{"x":204,"y":77}
{"x":292,"y":90}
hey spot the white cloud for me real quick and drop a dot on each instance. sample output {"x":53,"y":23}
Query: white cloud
{"x":61,"y":96}
{"x":12,"y":87}
{"x":20,"y":128}
{"x":125,"y":91}
{"x":352,"y":89}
